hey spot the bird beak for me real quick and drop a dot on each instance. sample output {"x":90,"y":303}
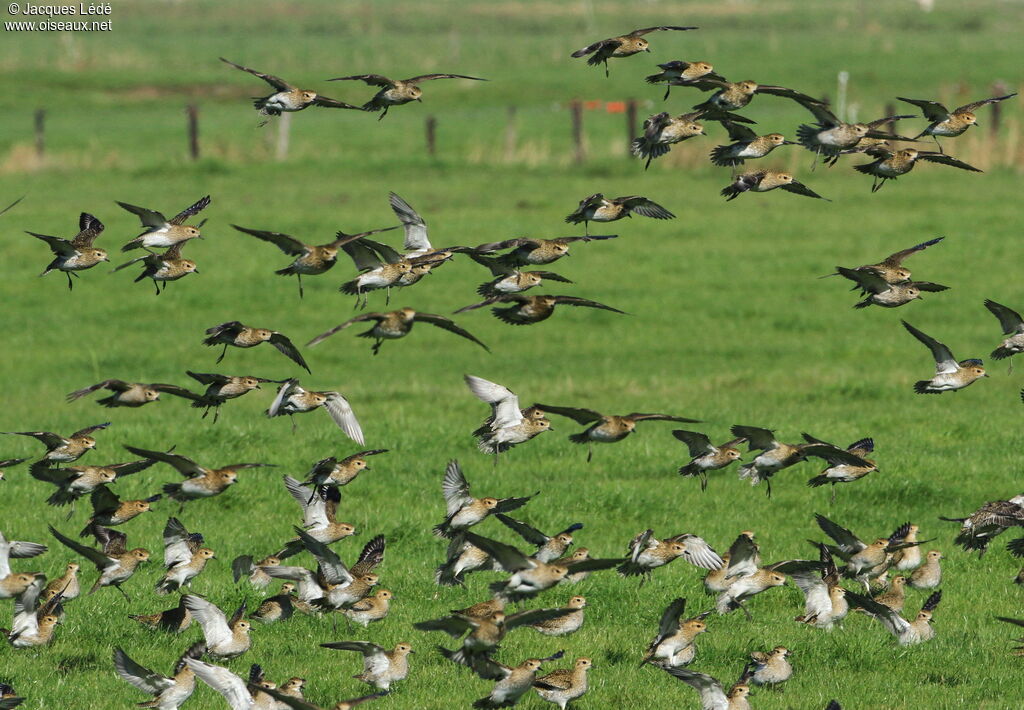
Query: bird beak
{"x":420,"y":100}
{"x":195,"y":271}
{"x":790,"y":143}
{"x":648,"y":49}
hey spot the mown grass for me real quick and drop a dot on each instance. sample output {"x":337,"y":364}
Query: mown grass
{"x":726,"y":323}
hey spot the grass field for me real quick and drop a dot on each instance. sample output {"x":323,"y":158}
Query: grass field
{"x":727,"y":323}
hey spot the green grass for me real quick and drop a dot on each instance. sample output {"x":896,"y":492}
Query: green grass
{"x":727,"y":324}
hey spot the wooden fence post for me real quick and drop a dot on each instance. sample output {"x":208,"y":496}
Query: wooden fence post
{"x":890,"y":110}
{"x":40,"y":131}
{"x":576,"y":111}
{"x":284,"y":125}
{"x":630,"y":125}
{"x":192,"y":111}
{"x":511,"y":134}
{"x":431,"y":126}
{"x":998,"y":89}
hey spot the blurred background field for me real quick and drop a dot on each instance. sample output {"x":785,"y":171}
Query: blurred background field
{"x":727,"y":321}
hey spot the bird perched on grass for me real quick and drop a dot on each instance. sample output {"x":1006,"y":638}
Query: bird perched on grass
{"x":950,"y":124}
{"x":950,"y":375}
{"x":381,"y":667}
{"x":928,"y":575}
{"x":680,"y":73}
{"x":712,"y":694}
{"x":764,"y":181}
{"x":880,"y":292}
{"x":893,"y":596}
{"x":109,"y":510}
{"x":705,"y":456}
{"x":906,"y":632}
{"x":646,"y":553}
{"x":278,"y":607}
{"x":569,"y":623}
{"x":606,"y":428}
{"x":909,"y":558}
{"x":564,"y":685}
{"x":824,"y":598}
{"x":829,"y":136}
{"x":310,"y":260}
{"x":200,"y":482}
{"x":598,"y":208}
{"x":60,"y":449}
{"x":221,"y":388}
{"x":988,"y":521}
{"x":396,"y":92}
{"x":675,"y":643}
{"x":622,"y":46}
{"x":1012,"y":325}
{"x":163,"y":233}
{"x":508,"y":425}
{"x":891,"y":269}
{"x":462,"y":510}
{"x":235,"y":334}
{"x":293,"y":399}
{"x":174,"y":620}
{"x":549,"y":547}
{"x":225,"y":638}
{"x":839,"y":471}
{"x":396,"y":324}
{"x":130,"y":394}
{"x":527,"y":310}
{"x":116,"y":563}
{"x":77,"y":253}
{"x":662,"y":130}
{"x":771,"y":667}
{"x":527,"y":251}
{"x":745,"y":145}
{"x":371,"y":608}
{"x":529,"y":575}
{"x":889,"y":165}
{"x":185,"y":557}
{"x":334,"y":473}
{"x":286,"y":97}
{"x":163,"y":268}
{"x":169,"y":693}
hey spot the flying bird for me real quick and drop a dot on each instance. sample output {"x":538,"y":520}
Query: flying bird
{"x":950,"y":124}
{"x":606,"y":428}
{"x":75,"y":254}
{"x":293,"y":399}
{"x":396,"y":324}
{"x":396,"y":92}
{"x":163,"y":233}
{"x":950,"y":375}
{"x":310,"y":260}
{"x":622,"y":46}
{"x":598,"y":208}
{"x":286,"y":97}
{"x":235,"y":334}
